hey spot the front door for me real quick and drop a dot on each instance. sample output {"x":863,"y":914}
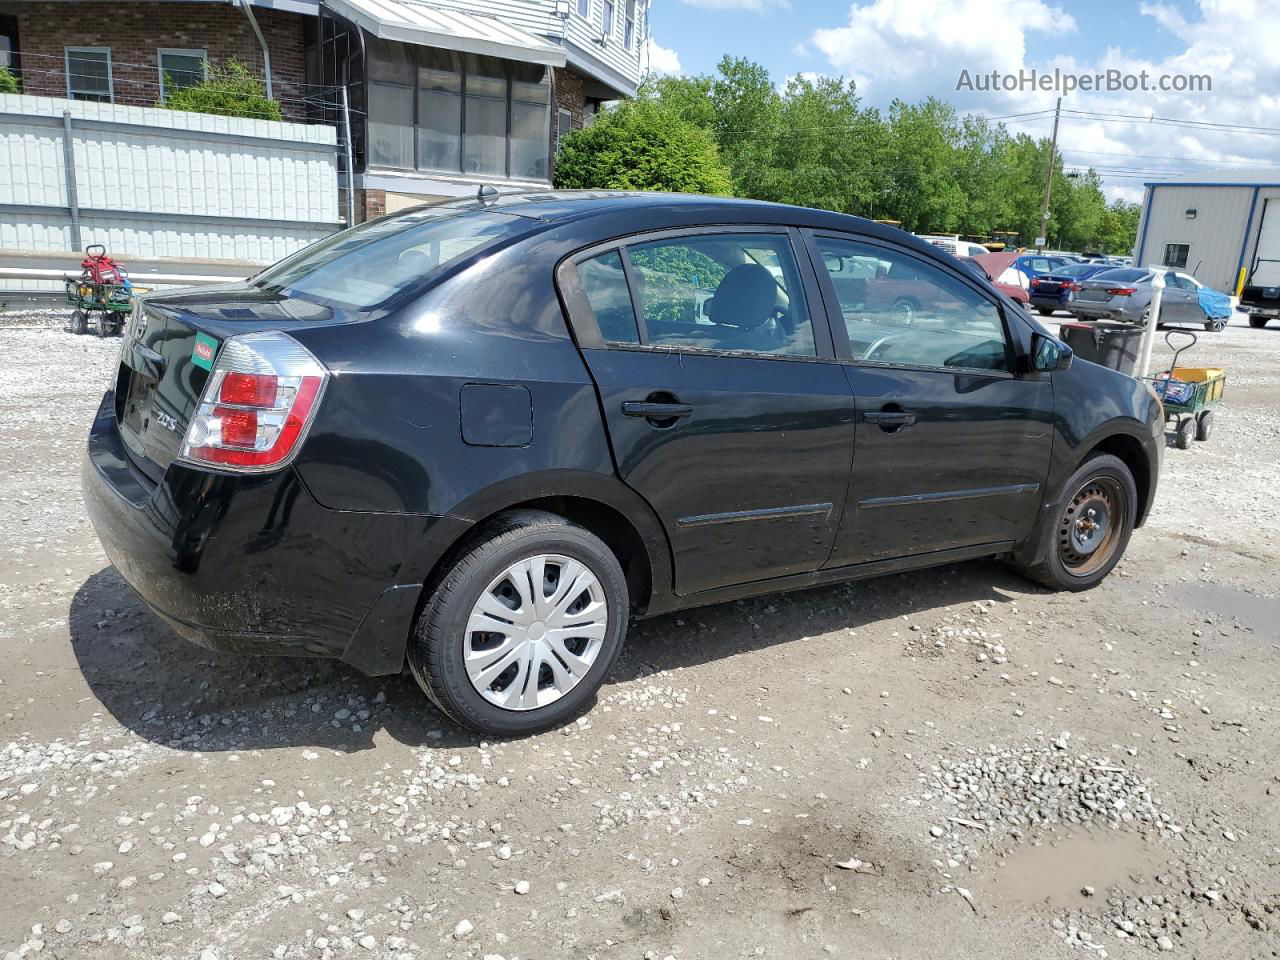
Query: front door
{"x":952,"y":446}
{"x":1180,"y":302}
{"x":726,"y":408}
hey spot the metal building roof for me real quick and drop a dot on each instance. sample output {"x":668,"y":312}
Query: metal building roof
{"x":412,"y":22}
{"x":1239,"y":177}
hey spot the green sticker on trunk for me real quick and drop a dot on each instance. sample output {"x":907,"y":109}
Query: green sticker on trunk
{"x":202,"y":353}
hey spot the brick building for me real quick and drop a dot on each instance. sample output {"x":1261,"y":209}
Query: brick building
{"x":443,"y":96}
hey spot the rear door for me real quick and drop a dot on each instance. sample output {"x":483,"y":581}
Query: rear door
{"x":1179,"y":302}
{"x":725,"y":406}
{"x":953,"y":445}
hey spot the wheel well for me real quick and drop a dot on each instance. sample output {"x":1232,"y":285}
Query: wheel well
{"x":611,"y":526}
{"x":1129,"y":450}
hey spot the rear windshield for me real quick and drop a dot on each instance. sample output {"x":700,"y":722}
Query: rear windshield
{"x":1123,"y":274}
{"x":367,"y":265}
{"x":1076,"y":269}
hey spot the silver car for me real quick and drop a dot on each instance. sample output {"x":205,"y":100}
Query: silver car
{"x":1124,"y":294}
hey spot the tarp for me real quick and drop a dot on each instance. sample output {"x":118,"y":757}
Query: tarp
{"x":1214,"y":304}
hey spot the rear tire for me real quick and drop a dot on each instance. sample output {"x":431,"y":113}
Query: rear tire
{"x":1204,"y":424}
{"x":1186,"y":430}
{"x":1258,"y":322}
{"x":1045,"y":311}
{"x":446,"y":651}
{"x":79,"y":322}
{"x":1090,"y":531}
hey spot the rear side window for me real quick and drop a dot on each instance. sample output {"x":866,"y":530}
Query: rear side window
{"x":366,"y":266}
{"x":905,"y":312}
{"x":605,"y":284}
{"x":733,"y":291}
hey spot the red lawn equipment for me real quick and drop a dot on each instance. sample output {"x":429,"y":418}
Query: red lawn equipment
{"x":103,"y":287}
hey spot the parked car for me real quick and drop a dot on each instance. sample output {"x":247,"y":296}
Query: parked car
{"x":1260,"y":296}
{"x":1039,"y":264}
{"x":957,"y":247}
{"x":482,"y":436}
{"x":1052,"y":291}
{"x":1124,"y":294}
{"x":990,"y":266}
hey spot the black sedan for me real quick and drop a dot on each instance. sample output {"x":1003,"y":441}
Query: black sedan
{"x":482,"y":436}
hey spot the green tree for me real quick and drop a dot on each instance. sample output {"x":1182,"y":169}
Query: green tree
{"x":8,"y":82}
{"x":748,"y":120}
{"x":642,"y":145}
{"x":228,"y":91}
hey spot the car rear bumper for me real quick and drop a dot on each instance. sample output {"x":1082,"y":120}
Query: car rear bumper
{"x":1258,"y":311}
{"x":1100,"y":311}
{"x":1054,"y":302}
{"x":253,"y":564}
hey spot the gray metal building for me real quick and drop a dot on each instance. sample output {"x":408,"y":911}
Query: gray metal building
{"x":1218,"y":225}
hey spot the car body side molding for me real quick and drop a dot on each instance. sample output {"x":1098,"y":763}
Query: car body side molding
{"x":973,"y":493}
{"x":768,"y":513}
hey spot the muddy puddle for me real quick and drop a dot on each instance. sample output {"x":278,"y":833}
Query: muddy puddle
{"x":1054,"y":873}
{"x":1248,"y":609}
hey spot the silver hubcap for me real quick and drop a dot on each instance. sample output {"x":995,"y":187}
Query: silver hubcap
{"x":535,"y":632}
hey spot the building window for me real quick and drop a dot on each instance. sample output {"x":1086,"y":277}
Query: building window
{"x":89,"y":74}
{"x":180,"y":68}
{"x":584,"y":8}
{"x":564,"y":126}
{"x":629,"y":27}
{"x":391,"y":95}
{"x":435,"y":110}
{"x":606,"y":21}
{"x":1175,"y":255}
{"x":439,"y":111}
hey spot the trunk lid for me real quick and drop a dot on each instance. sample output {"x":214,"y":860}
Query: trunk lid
{"x":1096,"y":289}
{"x":170,"y":345}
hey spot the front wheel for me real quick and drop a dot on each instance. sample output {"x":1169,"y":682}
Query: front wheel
{"x":519,"y":634}
{"x":1216,"y":325}
{"x":1092,"y":528}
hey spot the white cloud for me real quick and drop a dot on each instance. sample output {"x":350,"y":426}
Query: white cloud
{"x":661,"y":60}
{"x":800,"y":49}
{"x":756,"y":5}
{"x":910,"y":49}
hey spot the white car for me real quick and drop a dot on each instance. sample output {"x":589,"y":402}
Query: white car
{"x":957,"y":247}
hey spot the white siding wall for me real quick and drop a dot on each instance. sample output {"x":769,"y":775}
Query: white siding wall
{"x":161,"y":183}
{"x":538,"y":17}
{"x":1215,"y":235}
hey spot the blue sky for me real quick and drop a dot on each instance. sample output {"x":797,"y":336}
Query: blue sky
{"x":915,"y":48}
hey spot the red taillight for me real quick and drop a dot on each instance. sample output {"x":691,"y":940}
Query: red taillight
{"x":1071,"y":285}
{"x":248,"y":389}
{"x":1121,"y":291}
{"x":1035,"y":281}
{"x":239,"y":427}
{"x":261,"y":396}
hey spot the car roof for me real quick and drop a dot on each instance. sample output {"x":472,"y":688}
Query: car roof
{"x":559,"y":206}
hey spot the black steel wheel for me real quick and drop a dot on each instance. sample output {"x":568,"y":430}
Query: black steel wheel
{"x":1090,"y":531}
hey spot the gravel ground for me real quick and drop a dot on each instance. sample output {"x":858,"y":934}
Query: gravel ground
{"x":945,"y":763}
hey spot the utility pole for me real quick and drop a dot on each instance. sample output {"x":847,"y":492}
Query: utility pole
{"x":1043,"y":238}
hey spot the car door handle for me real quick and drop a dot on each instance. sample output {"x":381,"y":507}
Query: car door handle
{"x":652,"y":410}
{"x":890,"y":418}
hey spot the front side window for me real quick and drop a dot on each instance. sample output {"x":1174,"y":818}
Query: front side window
{"x":1175,"y":255}
{"x":179,"y":69}
{"x":902,"y":311}
{"x":732,"y":291}
{"x":89,"y":73}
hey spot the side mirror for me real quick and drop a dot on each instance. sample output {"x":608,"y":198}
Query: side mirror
{"x":1049,"y":354}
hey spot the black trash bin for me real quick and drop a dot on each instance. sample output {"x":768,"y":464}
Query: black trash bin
{"x":1114,"y":345}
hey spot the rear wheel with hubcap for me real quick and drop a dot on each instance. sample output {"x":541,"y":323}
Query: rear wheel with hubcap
{"x":519,"y":634}
{"x":1092,"y":528}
